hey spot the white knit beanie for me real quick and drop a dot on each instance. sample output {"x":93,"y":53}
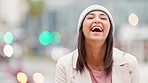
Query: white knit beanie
{"x":92,"y":8}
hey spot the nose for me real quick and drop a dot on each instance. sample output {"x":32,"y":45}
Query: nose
{"x":97,"y":20}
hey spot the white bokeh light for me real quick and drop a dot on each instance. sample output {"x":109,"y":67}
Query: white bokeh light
{"x":8,"y":50}
{"x":38,"y":78}
{"x":56,"y":53}
{"x":133,"y":19}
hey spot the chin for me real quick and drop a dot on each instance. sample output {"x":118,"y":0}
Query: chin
{"x":98,"y":39}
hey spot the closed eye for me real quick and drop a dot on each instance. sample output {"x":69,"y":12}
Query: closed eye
{"x":90,"y":17}
{"x":104,"y":18}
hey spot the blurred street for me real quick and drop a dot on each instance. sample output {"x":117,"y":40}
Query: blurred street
{"x":45,"y":67}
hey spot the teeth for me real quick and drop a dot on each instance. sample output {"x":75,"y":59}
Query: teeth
{"x":97,"y":28}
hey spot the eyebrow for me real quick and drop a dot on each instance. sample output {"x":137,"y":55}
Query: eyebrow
{"x":102,"y":14}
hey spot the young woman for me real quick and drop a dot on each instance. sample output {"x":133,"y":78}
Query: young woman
{"x":96,"y":60}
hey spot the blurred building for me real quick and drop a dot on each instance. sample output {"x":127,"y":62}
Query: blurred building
{"x":36,"y":16}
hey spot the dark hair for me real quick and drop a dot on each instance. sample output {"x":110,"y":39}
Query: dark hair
{"x":108,"y":59}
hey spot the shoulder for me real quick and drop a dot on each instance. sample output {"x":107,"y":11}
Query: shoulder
{"x":128,"y":57}
{"x":126,"y":66}
{"x":63,"y":68}
{"x":123,"y":57}
{"x":131,"y":60}
{"x":66,"y":60}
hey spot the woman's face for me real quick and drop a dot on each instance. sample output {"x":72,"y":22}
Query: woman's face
{"x":96,"y":26}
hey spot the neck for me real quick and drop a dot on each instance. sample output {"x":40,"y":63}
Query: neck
{"x":95,"y":53}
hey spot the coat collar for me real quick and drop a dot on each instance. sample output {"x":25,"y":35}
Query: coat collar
{"x":117,"y":57}
{"x":120,"y":73}
{"x":74,"y":59}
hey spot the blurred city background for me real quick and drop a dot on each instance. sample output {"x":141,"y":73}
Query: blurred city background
{"x":34,"y":34}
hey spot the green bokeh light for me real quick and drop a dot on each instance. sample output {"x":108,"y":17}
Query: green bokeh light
{"x":8,"y":37}
{"x":56,"y":38}
{"x":45,"y":38}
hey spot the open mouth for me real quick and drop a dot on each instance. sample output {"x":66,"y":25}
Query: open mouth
{"x":97,"y":29}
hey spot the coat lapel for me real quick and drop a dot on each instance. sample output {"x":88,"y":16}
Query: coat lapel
{"x":77,"y":77}
{"x":121,"y":73}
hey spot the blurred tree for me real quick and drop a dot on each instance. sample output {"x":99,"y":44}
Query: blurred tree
{"x":35,"y":7}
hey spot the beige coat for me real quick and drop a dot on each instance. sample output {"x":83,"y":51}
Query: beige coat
{"x":125,"y":69}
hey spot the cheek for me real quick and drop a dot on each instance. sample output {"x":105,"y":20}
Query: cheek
{"x":107,"y":27}
{"x":84,"y":30}
{"x":87,"y":23}
{"x":107,"y":24}
{"x":85,"y":26}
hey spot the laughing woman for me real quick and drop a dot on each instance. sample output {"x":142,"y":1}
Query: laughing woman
{"x":96,"y":60}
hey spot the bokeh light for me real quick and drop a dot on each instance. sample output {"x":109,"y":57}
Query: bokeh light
{"x":133,"y":19}
{"x":8,"y":50}
{"x":45,"y":38}
{"x":56,"y":38}
{"x":38,"y":78}
{"x":56,"y":53}
{"x":8,"y":37}
{"x":22,"y":77}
